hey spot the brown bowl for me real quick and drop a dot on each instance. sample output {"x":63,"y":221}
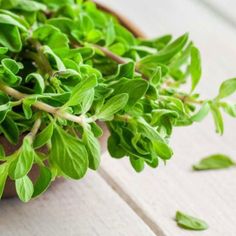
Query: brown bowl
{"x":10,"y":190}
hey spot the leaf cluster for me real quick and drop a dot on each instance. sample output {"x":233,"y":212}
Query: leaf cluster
{"x":64,"y":65}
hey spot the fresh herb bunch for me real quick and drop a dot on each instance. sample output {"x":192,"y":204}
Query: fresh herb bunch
{"x":66,"y":65}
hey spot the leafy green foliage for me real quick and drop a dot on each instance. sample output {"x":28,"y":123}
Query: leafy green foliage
{"x":216,"y":161}
{"x":64,"y":66}
{"x":189,"y":222}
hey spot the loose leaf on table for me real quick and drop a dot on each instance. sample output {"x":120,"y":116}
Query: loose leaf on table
{"x":189,"y":222}
{"x":213,"y":162}
{"x":69,"y":153}
{"x":195,"y":67}
{"x":24,"y":188}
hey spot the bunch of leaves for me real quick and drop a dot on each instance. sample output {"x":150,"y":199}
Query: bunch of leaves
{"x":65,"y":65}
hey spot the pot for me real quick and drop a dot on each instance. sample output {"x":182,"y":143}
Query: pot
{"x":9,"y":190}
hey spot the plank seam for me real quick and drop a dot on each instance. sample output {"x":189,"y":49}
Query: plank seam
{"x":131,"y":203}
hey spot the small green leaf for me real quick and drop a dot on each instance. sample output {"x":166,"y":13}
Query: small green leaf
{"x":189,"y":222}
{"x":167,"y":53}
{"x":3,"y":177}
{"x":218,"y":119}
{"x":10,"y":130}
{"x":23,"y":160}
{"x":93,"y":148}
{"x":216,"y":161}
{"x":227,"y":88}
{"x":128,"y":86}
{"x":43,"y":182}
{"x":79,"y":90}
{"x":195,"y":67}
{"x":110,"y":33}
{"x":38,"y":80}
{"x":112,"y":106}
{"x":69,"y":153}
{"x":24,"y":188}
{"x":114,"y":147}
{"x":43,"y":137}
{"x":229,"y":108}
{"x":202,"y":113}
{"x":137,"y":163}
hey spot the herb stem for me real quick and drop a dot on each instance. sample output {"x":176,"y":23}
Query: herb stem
{"x":35,"y":128}
{"x":118,"y":59}
{"x":43,"y":106}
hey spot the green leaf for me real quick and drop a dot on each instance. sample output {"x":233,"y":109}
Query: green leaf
{"x":38,"y":80}
{"x":43,"y":181}
{"x":110,"y":33}
{"x":8,"y":20}
{"x":24,"y":188}
{"x":137,"y":163}
{"x":10,"y":37}
{"x":213,"y":162}
{"x":189,"y":222}
{"x":167,"y":53}
{"x":93,"y":148}
{"x":10,"y":130}
{"x":3,"y":177}
{"x":112,"y":106}
{"x":128,"y":86}
{"x":30,"y":6}
{"x":57,"y":61}
{"x":3,"y":50}
{"x":229,"y":108}
{"x":195,"y":67}
{"x":43,"y":137}
{"x":227,"y":88}
{"x":80,"y":89}
{"x":27,"y":104}
{"x":114,"y":147}
{"x":22,"y":160}
{"x":69,"y":153}
{"x":202,"y":113}
{"x":218,"y":119}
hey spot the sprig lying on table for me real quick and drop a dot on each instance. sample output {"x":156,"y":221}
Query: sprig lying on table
{"x":65,"y":66}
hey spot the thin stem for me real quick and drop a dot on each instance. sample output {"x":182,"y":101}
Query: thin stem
{"x":118,"y":59}
{"x":43,"y":106}
{"x":35,"y":128}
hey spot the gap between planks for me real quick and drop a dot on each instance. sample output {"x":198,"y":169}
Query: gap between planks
{"x":130,"y":202}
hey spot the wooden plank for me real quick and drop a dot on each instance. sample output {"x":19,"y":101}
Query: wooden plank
{"x":86,"y":208}
{"x":159,"y":193}
{"x":224,"y":9}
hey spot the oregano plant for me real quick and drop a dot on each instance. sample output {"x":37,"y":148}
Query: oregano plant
{"x":65,"y":65}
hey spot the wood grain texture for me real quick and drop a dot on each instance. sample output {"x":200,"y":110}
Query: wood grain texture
{"x":159,"y":193}
{"x":84,"y":208}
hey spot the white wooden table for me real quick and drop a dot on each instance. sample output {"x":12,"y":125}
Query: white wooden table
{"x":117,"y":201}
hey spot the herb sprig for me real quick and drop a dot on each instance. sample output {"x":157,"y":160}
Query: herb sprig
{"x":65,"y":65}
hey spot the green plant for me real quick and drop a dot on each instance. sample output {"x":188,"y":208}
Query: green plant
{"x":65,"y":66}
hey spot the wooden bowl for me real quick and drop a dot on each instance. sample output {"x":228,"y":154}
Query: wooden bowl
{"x":9,"y":190}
